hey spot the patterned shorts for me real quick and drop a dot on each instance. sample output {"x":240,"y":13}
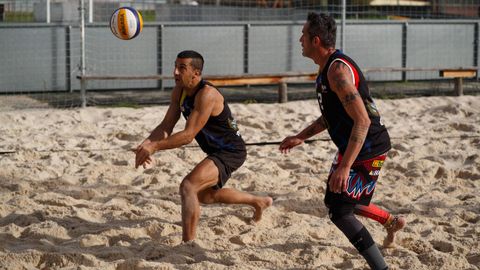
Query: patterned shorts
{"x":361,"y":182}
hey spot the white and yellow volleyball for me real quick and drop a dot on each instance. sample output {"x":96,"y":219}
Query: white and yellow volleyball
{"x":126,"y":23}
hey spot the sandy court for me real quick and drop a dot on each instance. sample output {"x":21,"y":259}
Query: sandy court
{"x":70,"y":196}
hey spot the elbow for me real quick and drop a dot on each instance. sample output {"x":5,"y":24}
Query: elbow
{"x":368,"y":122}
{"x":364,"y":122}
{"x":188,"y":137}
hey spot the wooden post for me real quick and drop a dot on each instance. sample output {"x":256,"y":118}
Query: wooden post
{"x":458,"y":86}
{"x":282,"y":92}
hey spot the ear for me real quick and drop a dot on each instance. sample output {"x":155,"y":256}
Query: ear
{"x":316,"y":41}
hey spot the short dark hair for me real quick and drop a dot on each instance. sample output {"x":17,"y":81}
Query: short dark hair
{"x":324,"y":27}
{"x":197,"y":59}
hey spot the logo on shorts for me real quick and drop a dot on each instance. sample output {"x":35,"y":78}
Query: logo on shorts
{"x":357,"y":185}
{"x":375,"y":173}
{"x":377,"y":163}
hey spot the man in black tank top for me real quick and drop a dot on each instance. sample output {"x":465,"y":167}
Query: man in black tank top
{"x":210,"y":122}
{"x":353,"y":123}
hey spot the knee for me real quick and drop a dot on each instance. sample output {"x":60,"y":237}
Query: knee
{"x":186,"y":188}
{"x":338,"y":212}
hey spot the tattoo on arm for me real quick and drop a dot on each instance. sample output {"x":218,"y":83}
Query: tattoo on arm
{"x":359,"y":133}
{"x":340,"y":80}
{"x":342,"y":83}
{"x":318,"y":126}
{"x":350,"y":98}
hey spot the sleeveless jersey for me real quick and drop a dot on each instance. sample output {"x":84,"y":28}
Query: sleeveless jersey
{"x":220,"y":132}
{"x":339,"y":123}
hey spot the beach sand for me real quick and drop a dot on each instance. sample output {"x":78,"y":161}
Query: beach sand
{"x":70,"y":197}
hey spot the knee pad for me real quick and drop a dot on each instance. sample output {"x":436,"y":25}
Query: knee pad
{"x":362,"y":240}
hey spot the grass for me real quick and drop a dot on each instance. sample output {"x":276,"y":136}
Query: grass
{"x":148,"y":15}
{"x":18,"y":16}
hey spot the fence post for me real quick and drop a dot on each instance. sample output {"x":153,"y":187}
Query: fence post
{"x":246,"y":32}
{"x":2,"y":12}
{"x":404,"y":49}
{"x":47,"y":8}
{"x":344,"y":18}
{"x":458,"y":86}
{"x":160,"y":29}
{"x":83,"y":86}
{"x":475,"y":47}
{"x":68,"y":57}
{"x":282,"y":92}
{"x":90,"y":11}
{"x":83,"y":92}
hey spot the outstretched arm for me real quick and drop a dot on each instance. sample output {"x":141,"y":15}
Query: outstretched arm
{"x":162,"y":131}
{"x":165,"y":128}
{"x":203,"y":107}
{"x":341,"y":82}
{"x":313,"y":129}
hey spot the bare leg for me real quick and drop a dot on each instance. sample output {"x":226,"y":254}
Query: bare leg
{"x":233,"y":196}
{"x":190,"y":211}
{"x":196,"y":188}
{"x":393,"y":225}
{"x":204,"y":175}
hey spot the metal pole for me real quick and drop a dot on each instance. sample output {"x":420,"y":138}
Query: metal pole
{"x":344,"y":18}
{"x":68,"y":57}
{"x":48,"y":11}
{"x":83,"y":86}
{"x":90,"y":11}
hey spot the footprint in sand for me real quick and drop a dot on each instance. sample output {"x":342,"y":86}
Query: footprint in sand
{"x":417,"y":246}
{"x":442,"y":246}
{"x":473,"y":258}
{"x":463,"y":127}
{"x":128,"y":137}
{"x":91,"y":240}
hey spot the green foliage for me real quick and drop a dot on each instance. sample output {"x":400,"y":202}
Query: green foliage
{"x":250,"y":101}
{"x":148,"y":15}
{"x":18,"y":16}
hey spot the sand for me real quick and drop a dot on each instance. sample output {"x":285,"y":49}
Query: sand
{"x":70,"y":197}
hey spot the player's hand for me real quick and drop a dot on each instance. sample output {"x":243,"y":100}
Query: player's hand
{"x":338,"y":180}
{"x":288,"y":143}
{"x":143,"y":154}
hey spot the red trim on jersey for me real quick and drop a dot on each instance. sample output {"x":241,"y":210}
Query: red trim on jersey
{"x":354,"y":70}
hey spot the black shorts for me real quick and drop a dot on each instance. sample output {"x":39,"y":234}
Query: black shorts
{"x":361,"y":182}
{"x":227,"y":162}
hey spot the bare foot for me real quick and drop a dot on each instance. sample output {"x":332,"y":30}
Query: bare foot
{"x":262,"y":204}
{"x":397,"y":224}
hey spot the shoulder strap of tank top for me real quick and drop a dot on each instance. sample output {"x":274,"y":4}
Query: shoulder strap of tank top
{"x":182,"y":97}
{"x":184,"y":93}
{"x":353,"y":71}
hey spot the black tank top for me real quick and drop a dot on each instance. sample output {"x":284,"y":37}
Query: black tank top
{"x":339,"y":123}
{"x":220,"y":132}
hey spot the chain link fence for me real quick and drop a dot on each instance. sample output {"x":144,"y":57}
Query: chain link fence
{"x":43,"y":52}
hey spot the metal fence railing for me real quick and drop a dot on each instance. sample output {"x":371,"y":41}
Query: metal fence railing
{"x":45,"y":46}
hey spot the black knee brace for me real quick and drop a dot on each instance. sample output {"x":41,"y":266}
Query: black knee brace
{"x":362,"y":240}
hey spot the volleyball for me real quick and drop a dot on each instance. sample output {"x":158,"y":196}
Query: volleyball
{"x":126,"y":23}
